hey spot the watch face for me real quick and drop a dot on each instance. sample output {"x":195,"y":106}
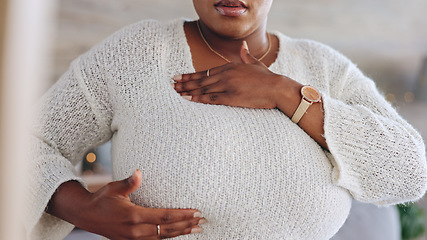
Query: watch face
{"x":310,"y":94}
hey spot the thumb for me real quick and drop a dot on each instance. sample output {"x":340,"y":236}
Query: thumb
{"x":245,"y":56}
{"x":128,"y":185}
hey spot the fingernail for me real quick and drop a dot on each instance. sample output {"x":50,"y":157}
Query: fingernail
{"x":202,"y":221}
{"x":197,"y":214}
{"x":132,"y":178}
{"x":177,"y":77}
{"x":245,"y":46}
{"x":196,"y":230}
{"x":187,"y":97}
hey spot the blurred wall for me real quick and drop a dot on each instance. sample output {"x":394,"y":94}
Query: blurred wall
{"x":386,"y":38}
{"x":3,"y":203}
{"x":24,"y":43}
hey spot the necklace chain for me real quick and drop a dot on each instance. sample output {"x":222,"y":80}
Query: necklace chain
{"x":224,"y":58}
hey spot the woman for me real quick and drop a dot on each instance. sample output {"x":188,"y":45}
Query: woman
{"x":249,"y":151}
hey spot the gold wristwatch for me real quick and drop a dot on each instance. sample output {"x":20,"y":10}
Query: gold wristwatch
{"x":309,"y":95}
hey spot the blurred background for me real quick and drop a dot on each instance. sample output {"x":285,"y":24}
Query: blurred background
{"x":387,"y":39}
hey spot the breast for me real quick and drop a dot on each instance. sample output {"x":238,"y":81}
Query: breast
{"x":251,"y":170}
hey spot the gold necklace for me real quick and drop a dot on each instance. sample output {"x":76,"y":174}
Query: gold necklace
{"x":224,"y":58}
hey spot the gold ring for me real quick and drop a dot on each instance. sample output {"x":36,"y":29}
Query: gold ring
{"x":207,"y":73}
{"x":158,"y":230}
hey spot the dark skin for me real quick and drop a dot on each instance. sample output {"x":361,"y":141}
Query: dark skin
{"x":246,"y":82}
{"x":110,"y":213}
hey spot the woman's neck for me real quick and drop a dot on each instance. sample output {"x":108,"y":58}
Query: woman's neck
{"x":229,"y":48}
{"x":203,"y":58}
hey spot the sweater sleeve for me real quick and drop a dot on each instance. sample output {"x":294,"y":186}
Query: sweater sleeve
{"x":73,"y":117}
{"x":376,"y":154}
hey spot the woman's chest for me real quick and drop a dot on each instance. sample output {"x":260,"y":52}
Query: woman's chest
{"x":181,"y":142}
{"x":238,"y":166}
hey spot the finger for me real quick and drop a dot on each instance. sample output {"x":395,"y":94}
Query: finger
{"x":128,"y":185}
{"x":166,"y":230}
{"x":166,"y":216}
{"x":213,"y":98}
{"x":195,"y":84}
{"x":186,"y":231}
{"x":201,"y":74}
{"x":191,"y":230}
{"x":213,"y":88}
{"x":179,"y":228}
{"x":190,"y":76}
{"x":245,"y":56}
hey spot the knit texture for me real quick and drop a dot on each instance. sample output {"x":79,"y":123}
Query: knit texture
{"x":252,"y":172}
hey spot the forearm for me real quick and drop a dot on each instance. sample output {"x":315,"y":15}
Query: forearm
{"x":67,"y":201}
{"x":289,"y":97}
{"x":369,"y":133}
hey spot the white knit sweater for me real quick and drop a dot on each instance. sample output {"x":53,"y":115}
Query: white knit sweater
{"x":252,"y":172}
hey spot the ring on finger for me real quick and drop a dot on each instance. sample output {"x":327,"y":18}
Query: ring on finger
{"x":158,"y":230}
{"x":207,"y":73}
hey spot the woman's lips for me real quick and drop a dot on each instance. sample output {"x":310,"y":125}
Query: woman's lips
{"x":231,"y":8}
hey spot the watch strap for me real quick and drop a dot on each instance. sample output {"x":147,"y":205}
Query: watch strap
{"x":302,"y":108}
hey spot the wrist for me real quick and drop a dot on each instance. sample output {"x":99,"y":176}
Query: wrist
{"x":288,"y":95}
{"x":69,"y":201}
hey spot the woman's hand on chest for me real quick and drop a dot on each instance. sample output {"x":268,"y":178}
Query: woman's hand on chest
{"x":248,"y":84}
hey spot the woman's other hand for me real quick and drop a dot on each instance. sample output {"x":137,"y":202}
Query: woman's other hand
{"x":248,"y":84}
{"x":110,"y":213}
